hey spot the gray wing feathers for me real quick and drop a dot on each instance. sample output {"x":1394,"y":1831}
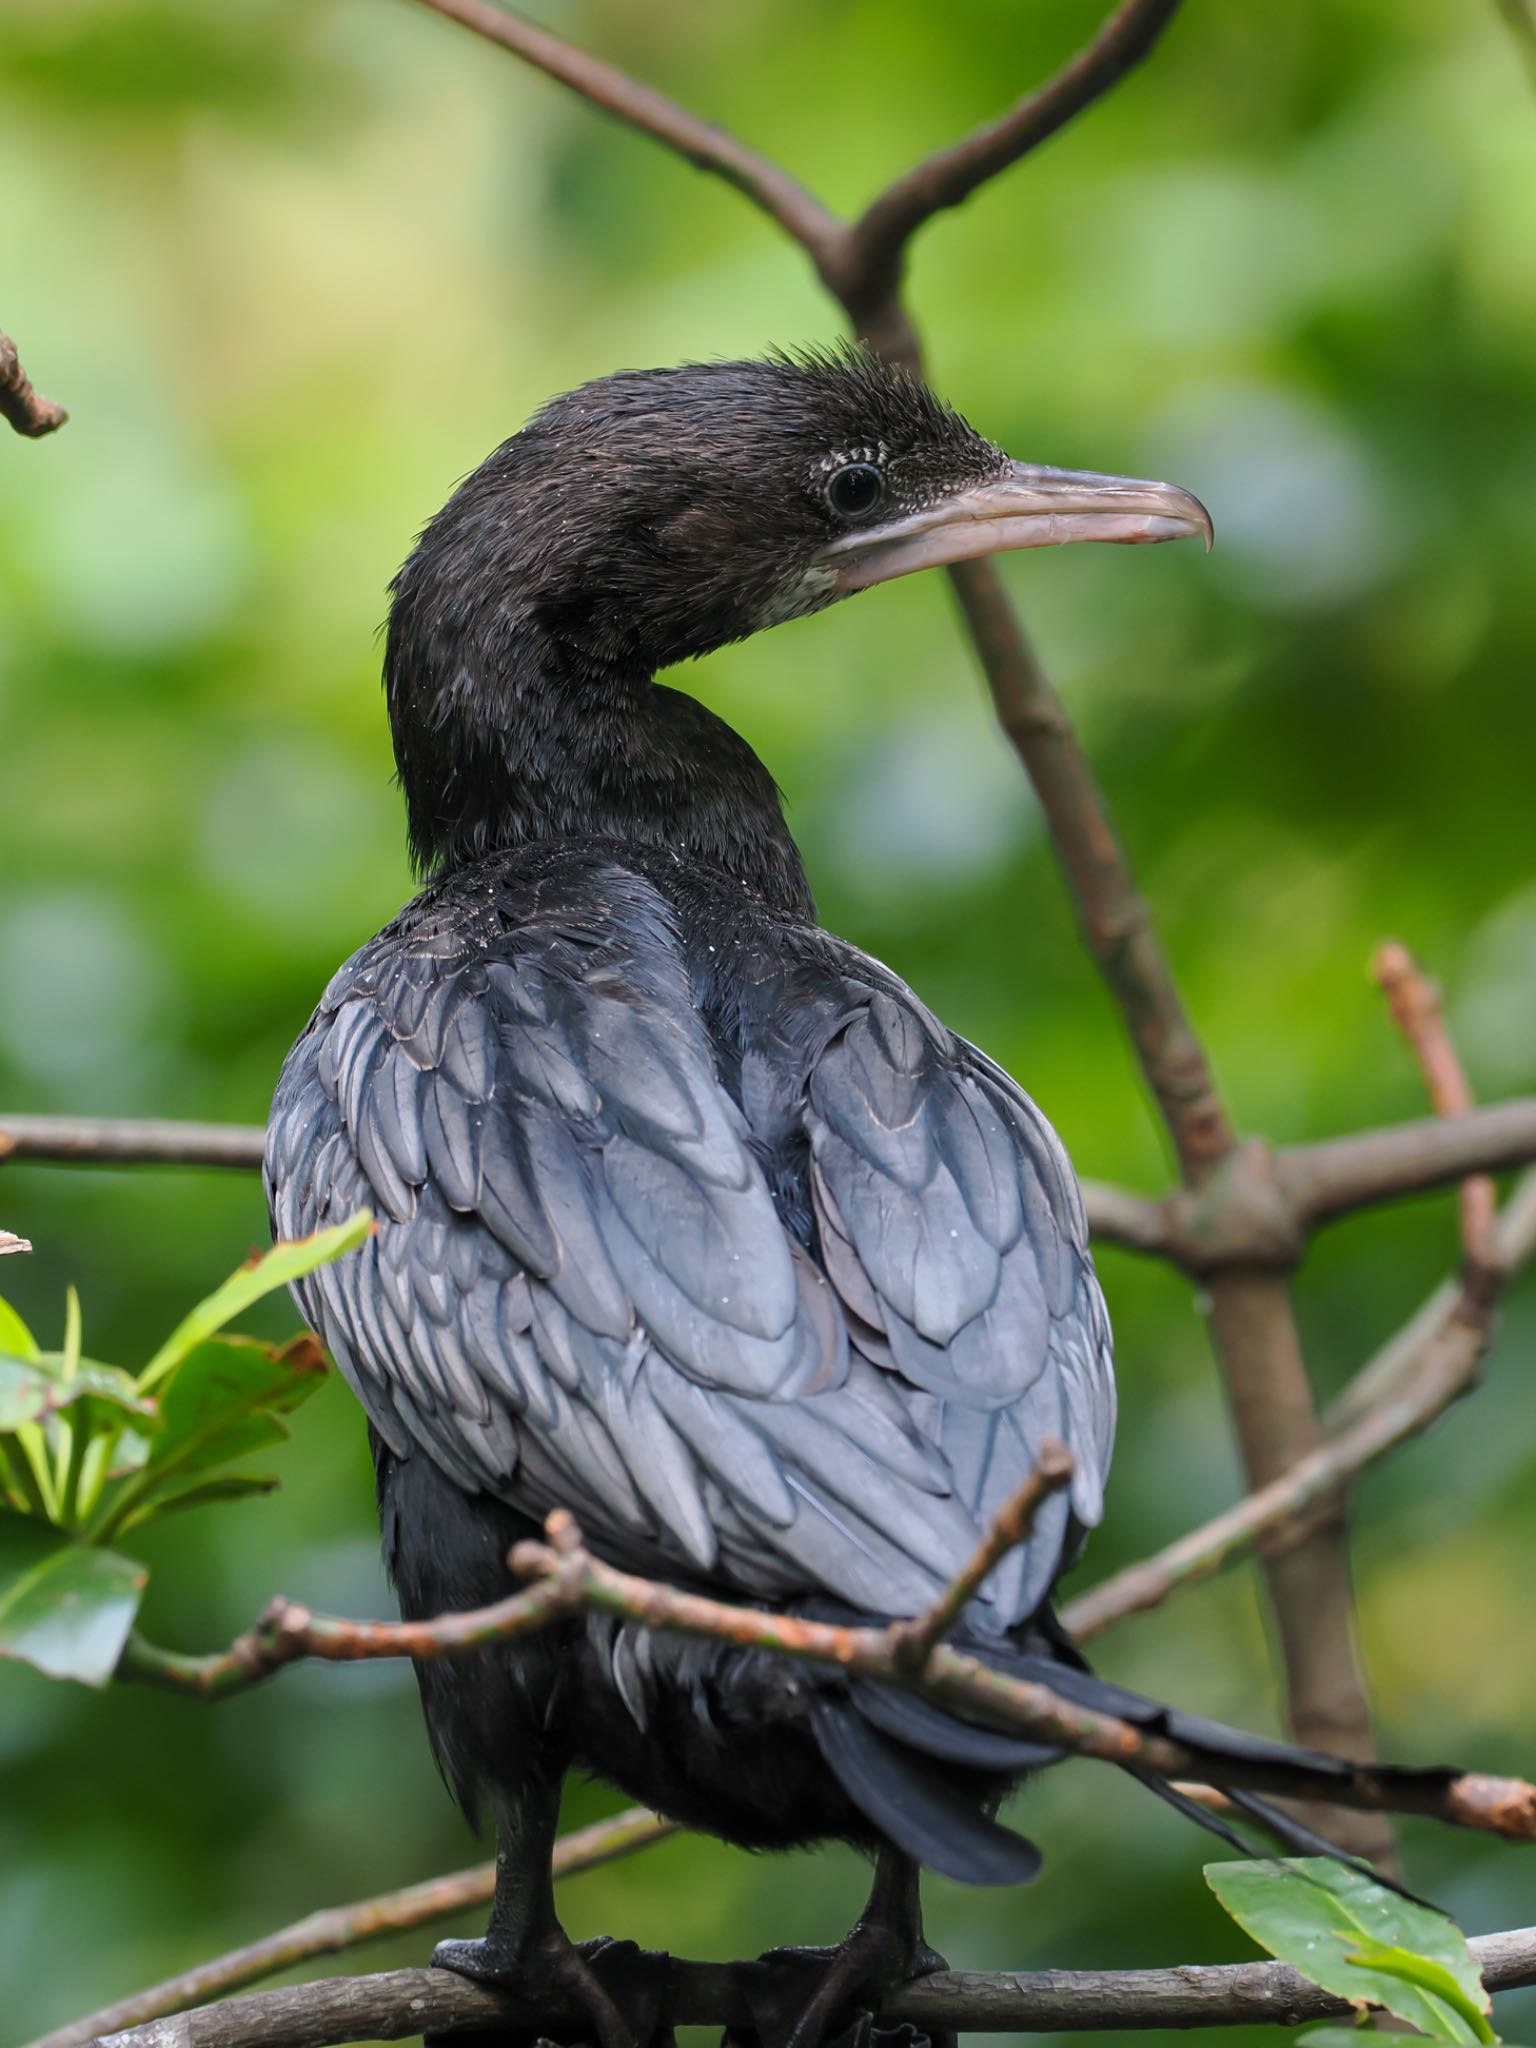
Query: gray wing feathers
{"x":581,"y":1293}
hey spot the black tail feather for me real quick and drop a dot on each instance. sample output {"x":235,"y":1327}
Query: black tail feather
{"x":915,"y":1806}
{"x":936,"y":1732}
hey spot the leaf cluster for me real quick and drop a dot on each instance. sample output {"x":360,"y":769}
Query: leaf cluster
{"x":91,"y":1453}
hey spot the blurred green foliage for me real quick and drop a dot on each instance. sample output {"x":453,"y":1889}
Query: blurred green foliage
{"x":295,"y":266}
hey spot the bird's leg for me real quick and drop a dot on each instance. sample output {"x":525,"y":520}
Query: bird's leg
{"x":800,"y":1998}
{"x":615,"y":1986}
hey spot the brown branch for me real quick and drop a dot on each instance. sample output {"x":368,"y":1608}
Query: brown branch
{"x":568,"y":1579}
{"x":405,"y":2003}
{"x":913,"y":1641}
{"x":707,"y":147}
{"x":881,"y":234}
{"x":1257,"y":1210}
{"x":1411,"y":1382}
{"x":31,"y":415}
{"x":1420,"y":1016}
{"x":336,"y":1928}
{"x":125,"y":1141}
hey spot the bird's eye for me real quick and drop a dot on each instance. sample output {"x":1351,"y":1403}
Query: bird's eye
{"x":855,"y":490}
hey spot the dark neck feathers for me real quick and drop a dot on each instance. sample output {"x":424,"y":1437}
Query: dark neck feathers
{"x":512,"y":726}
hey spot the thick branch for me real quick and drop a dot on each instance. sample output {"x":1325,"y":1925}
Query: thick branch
{"x":30,"y":414}
{"x":403,"y":2003}
{"x":343,"y":1927}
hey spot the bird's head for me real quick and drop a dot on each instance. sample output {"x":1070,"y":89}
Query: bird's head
{"x":657,"y":514}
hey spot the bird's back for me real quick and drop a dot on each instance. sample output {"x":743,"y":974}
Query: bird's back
{"x":692,"y":1219}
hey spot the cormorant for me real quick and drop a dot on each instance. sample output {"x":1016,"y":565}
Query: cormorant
{"x":691,"y":1217}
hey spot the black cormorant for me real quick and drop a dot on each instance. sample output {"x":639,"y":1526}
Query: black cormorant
{"x":692,"y":1218}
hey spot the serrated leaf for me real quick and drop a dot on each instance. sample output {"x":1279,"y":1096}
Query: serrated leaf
{"x":65,"y":1608}
{"x":1323,"y":1919}
{"x":276,"y":1268}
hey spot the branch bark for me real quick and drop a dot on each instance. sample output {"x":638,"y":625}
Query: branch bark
{"x":404,"y":2003}
{"x":1397,"y":1395}
{"x":568,"y":1579}
{"x":30,"y":414}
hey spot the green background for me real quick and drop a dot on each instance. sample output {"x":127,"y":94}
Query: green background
{"x":297,"y":265}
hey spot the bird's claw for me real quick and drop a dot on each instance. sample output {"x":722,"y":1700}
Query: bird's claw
{"x":616,"y":1987}
{"x":828,"y":1997}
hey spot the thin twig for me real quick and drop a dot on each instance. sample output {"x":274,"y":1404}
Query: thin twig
{"x":32,"y":416}
{"x":913,"y":1641}
{"x":568,"y":1579}
{"x":1419,"y":1014}
{"x":129,"y":1141}
{"x":950,"y":176}
{"x":706,"y":146}
{"x":336,"y":1928}
{"x":403,"y":2003}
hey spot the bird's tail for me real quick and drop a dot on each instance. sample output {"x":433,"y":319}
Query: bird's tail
{"x":927,"y":1778}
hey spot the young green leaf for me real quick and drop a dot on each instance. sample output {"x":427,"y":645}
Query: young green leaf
{"x":64,"y":1608}
{"x":16,"y":1340}
{"x":224,"y":1401}
{"x":1327,"y":1921}
{"x":31,"y":1390}
{"x":276,"y":1268}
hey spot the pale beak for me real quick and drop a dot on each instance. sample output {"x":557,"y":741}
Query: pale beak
{"x":1029,"y":507}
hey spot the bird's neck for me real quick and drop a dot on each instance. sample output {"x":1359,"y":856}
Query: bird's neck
{"x":524,"y":734}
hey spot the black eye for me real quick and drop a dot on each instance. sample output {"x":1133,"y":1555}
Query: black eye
{"x":855,"y":490}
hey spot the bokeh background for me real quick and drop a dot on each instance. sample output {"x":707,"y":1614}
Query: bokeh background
{"x":295,"y":266}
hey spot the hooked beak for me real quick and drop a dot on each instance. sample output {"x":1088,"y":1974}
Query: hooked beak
{"x":1030,"y":507}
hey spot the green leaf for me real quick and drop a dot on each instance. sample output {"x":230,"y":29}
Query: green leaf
{"x":64,"y":1608}
{"x":1328,"y":1922}
{"x":1433,"y":1977}
{"x":33,"y":1389}
{"x":15,"y":1338}
{"x":224,"y":1401}
{"x":198,"y":1492}
{"x":284,"y":1263}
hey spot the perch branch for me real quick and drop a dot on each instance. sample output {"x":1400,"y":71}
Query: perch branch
{"x":342,"y":1927}
{"x":404,"y":2003}
{"x":31,"y":415}
{"x":568,"y":1579}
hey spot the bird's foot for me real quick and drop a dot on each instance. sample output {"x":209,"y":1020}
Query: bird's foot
{"x":611,"y":1990}
{"x":828,"y":1997}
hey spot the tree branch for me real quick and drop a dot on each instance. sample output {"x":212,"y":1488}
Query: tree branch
{"x":1418,"y":1013}
{"x":880,"y":236}
{"x":405,"y":2003}
{"x":707,"y":147}
{"x":342,"y":1927}
{"x":1396,"y":1396}
{"x":568,"y":1579}
{"x":31,"y":415}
